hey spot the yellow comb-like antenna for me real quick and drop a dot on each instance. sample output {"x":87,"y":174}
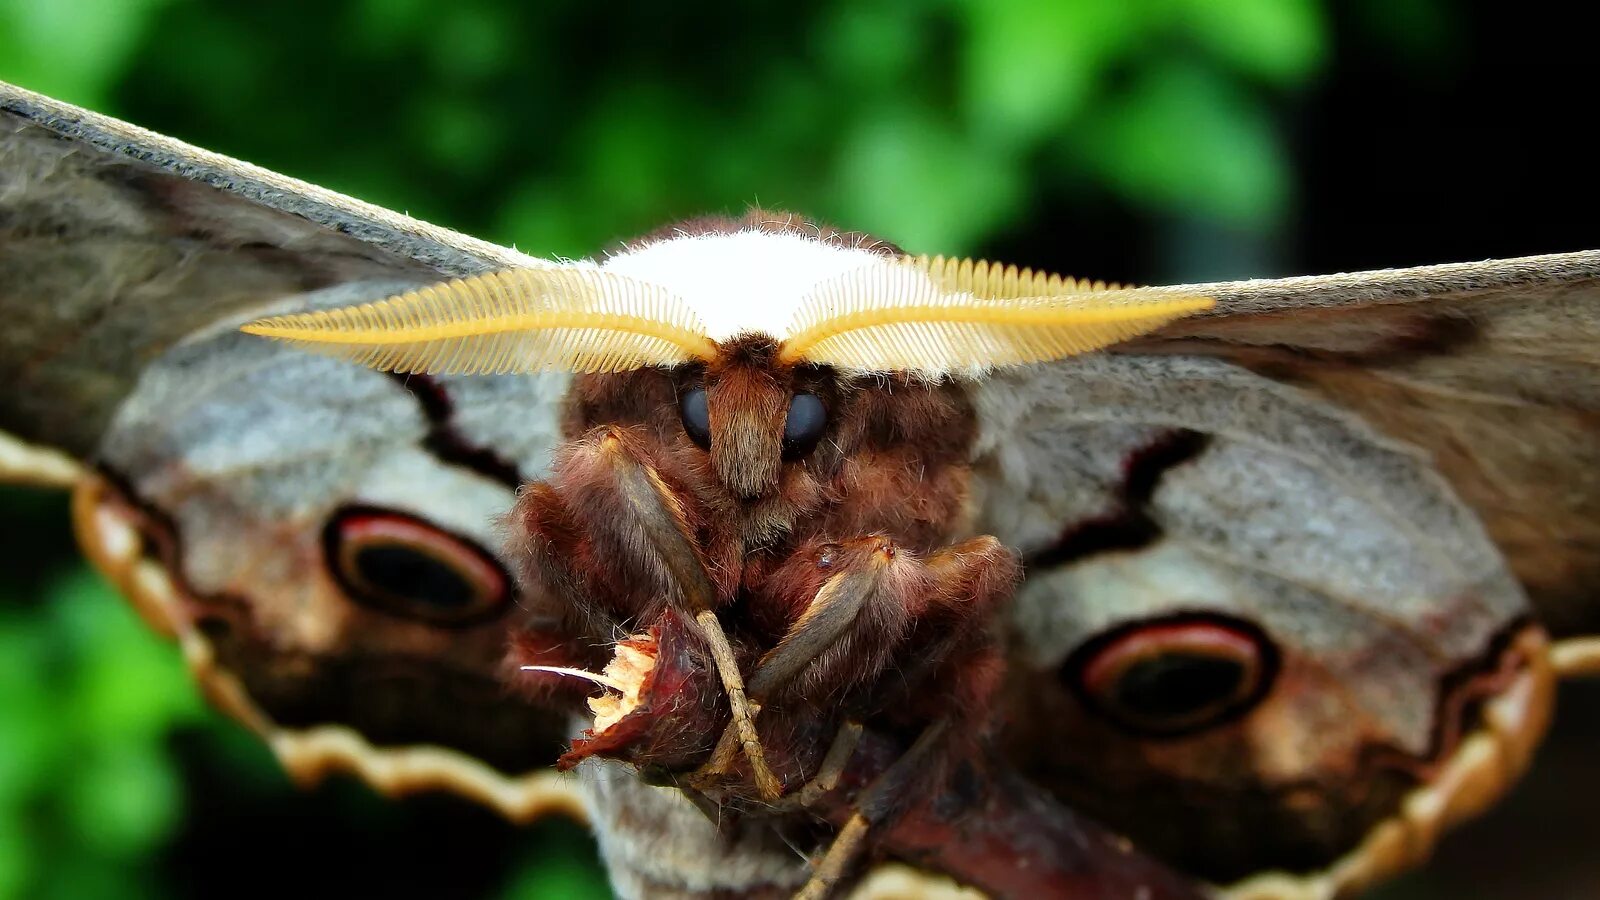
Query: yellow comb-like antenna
{"x":941,"y":316}
{"x":518,"y":320}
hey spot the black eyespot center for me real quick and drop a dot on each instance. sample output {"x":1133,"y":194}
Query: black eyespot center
{"x":402,"y":570}
{"x":696,"y":414}
{"x":1177,"y":685}
{"x":405,"y":566}
{"x":804,"y":426}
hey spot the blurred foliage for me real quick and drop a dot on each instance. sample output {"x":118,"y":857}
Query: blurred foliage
{"x":87,"y":699}
{"x":560,"y":127}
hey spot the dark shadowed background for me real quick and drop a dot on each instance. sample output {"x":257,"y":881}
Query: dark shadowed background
{"x":1142,"y":140}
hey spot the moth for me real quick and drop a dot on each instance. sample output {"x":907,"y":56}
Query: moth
{"x":1275,"y":580}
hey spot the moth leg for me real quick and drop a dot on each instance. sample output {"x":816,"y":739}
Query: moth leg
{"x":827,"y":777}
{"x":952,"y":664}
{"x":548,"y":537}
{"x":874,"y":808}
{"x":583,"y":547}
{"x":830,"y":871}
{"x":834,"y":611}
{"x":664,"y":524}
{"x":856,"y":577}
{"x":877,"y":607}
{"x":820,"y":785}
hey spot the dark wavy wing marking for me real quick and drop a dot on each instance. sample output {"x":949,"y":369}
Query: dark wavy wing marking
{"x":115,"y":243}
{"x":1493,"y":368}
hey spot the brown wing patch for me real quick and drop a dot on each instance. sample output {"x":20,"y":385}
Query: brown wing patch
{"x":114,"y":537}
{"x":1465,"y":784}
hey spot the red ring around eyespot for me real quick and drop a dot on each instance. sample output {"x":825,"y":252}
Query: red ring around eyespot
{"x":1211,"y":668}
{"x":405,"y":566}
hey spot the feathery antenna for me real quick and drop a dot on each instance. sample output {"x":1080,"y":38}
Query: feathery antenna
{"x":945,"y":316}
{"x":518,"y":320}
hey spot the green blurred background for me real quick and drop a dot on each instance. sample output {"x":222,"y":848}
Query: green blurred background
{"x":1144,"y":140}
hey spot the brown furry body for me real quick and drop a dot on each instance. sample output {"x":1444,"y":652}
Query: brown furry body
{"x":878,"y":497}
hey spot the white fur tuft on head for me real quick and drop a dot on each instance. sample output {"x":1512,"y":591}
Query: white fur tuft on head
{"x":748,"y":281}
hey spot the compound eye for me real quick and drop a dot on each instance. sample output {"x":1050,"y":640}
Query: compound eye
{"x":807,"y":420}
{"x":407,"y":567}
{"x":1172,"y":677}
{"x":696,"y":415}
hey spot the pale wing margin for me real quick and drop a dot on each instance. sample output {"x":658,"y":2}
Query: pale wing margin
{"x":116,"y":243}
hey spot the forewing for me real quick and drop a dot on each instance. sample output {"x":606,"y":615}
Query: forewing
{"x":322,"y":539}
{"x":1491,"y":369}
{"x":116,"y":243}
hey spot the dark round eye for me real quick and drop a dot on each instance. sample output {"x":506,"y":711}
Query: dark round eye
{"x":696,"y":417}
{"x":807,"y":419}
{"x":402,"y":565}
{"x":1175,"y":675}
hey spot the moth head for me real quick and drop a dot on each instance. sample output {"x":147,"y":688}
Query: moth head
{"x":753,"y":414}
{"x":755,"y":325}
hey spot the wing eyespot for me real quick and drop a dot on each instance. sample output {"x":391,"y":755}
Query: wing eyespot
{"x":407,"y":567}
{"x":1174,"y":675}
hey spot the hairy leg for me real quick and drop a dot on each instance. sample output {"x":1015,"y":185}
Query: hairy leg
{"x":614,"y":539}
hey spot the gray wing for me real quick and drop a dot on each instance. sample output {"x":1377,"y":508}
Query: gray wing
{"x":115,"y":243}
{"x":322,"y":540}
{"x":1490,"y":369}
{"x":1366,"y":477}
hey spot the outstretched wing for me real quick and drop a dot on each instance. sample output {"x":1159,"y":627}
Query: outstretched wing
{"x":322,"y":539}
{"x":119,"y":242}
{"x":1280,"y":558}
{"x":1492,"y":369}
